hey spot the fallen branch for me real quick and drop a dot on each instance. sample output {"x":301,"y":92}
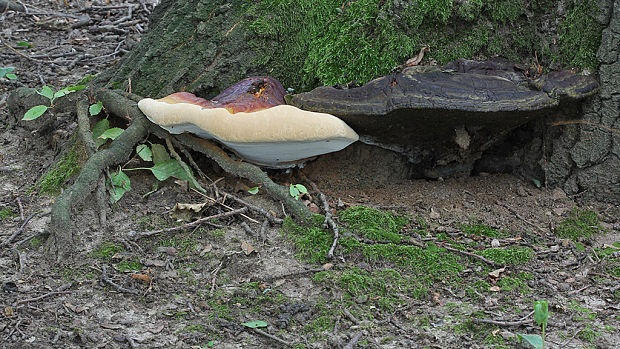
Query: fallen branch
{"x":275,"y":338}
{"x":195,"y":223}
{"x":28,"y":300}
{"x":21,"y":228}
{"x":354,"y":340}
{"x":473,"y":255}
{"x":502,"y":323}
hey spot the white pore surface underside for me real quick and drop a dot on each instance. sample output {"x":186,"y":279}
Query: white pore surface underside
{"x":272,"y":154}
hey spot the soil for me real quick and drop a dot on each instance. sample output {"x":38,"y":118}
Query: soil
{"x":202,"y":285}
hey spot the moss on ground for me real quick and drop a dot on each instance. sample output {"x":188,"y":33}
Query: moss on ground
{"x":411,"y":270}
{"x":482,"y":230}
{"x":7,"y":213}
{"x":107,"y":250}
{"x":374,"y":224}
{"x":581,"y":224}
{"x":508,"y":255}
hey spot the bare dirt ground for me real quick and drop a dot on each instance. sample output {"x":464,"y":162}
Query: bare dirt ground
{"x":194,"y":288}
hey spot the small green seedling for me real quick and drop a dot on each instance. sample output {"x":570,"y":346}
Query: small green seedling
{"x":49,"y":93}
{"x":297,"y":190}
{"x":541,"y":315}
{"x":6,"y":72}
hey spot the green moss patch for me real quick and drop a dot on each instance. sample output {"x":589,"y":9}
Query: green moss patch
{"x":509,"y":255}
{"x":7,"y":213}
{"x":374,"y":224}
{"x":580,"y":224}
{"x":482,"y":230}
{"x":580,"y":35}
{"x":324,"y":42}
{"x":69,"y":166}
{"x":107,"y":250}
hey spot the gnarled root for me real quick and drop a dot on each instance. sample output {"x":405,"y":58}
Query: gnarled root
{"x":62,"y":238}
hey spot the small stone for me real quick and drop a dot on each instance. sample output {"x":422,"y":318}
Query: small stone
{"x":563,"y":286}
{"x":361,"y":299}
{"x":558,"y":194}
{"x":559,"y":211}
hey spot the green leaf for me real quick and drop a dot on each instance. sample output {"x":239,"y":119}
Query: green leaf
{"x":95,"y":108}
{"x":160,"y":154}
{"x":111,"y":133}
{"x":86,"y":79}
{"x":302,"y":189}
{"x":35,"y":112}
{"x":119,"y":185}
{"x":75,"y":88}
{"x":255,"y":324}
{"x":170,"y":168}
{"x":144,"y":152}
{"x":296,"y":190}
{"x":541,"y":312}
{"x":25,"y":44}
{"x":47,"y":92}
{"x":536,"y":182}
{"x":60,"y":93}
{"x":534,"y":340}
{"x":99,"y":128}
{"x":6,"y":71}
{"x":253,"y":191}
{"x":11,"y":76}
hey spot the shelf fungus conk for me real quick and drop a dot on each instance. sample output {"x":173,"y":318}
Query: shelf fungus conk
{"x":252,"y":119}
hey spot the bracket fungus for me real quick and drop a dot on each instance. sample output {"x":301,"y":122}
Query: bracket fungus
{"x":252,"y":119}
{"x":442,"y":119}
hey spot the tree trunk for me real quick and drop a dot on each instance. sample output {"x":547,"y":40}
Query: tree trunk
{"x":206,"y":46}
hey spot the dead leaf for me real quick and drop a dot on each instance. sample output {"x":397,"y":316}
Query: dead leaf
{"x":496,"y":273}
{"x":158,"y":328}
{"x":262,"y":287}
{"x":436,"y":297}
{"x":189,"y":207}
{"x":494,"y":289}
{"x":328,"y":266}
{"x":247,"y":248}
{"x":143,"y":277}
{"x":9,"y":312}
{"x":206,"y":250}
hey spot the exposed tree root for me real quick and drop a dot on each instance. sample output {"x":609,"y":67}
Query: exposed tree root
{"x":62,"y":240}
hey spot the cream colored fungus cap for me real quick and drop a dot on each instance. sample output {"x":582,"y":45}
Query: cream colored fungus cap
{"x":269,"y":136}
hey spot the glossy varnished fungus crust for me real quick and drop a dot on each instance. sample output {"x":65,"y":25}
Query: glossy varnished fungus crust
{"x":252,"y":119}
